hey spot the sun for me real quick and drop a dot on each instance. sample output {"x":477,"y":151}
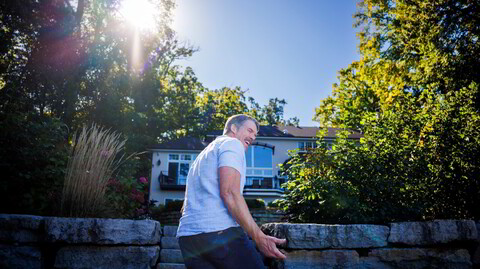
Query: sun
{"x":139,"y":13}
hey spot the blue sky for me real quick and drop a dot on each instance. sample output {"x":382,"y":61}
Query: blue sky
{"x":290,"y":49}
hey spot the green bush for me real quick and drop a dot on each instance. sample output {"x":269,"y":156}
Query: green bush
{"x":33,"y":159}
{"x":173,"y":206}
{"x":417,"y":163}
{"x":273,"y":204}
{"x":127,"y":197}
{"x":155,"y":211}
{"x":255,"y":203}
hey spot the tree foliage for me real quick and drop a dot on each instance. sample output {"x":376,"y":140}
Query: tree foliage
{"x":415,"y":96}
{"x":33,"y":157}
{"x":73,"y":63}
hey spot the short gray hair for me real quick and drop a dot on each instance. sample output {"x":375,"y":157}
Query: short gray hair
{"x":238,"y":120}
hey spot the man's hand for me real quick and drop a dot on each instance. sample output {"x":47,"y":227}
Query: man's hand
{"x":268,"y":246}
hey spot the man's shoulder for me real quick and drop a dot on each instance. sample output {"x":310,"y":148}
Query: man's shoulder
{"x":227,"y":141}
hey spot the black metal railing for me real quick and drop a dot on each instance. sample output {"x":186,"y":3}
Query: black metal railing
{"x":169,"y":183}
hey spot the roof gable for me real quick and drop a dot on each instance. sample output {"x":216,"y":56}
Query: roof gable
{"x":192,"y":143}
{"x":292,"y":132}
{"x":184,"y":143}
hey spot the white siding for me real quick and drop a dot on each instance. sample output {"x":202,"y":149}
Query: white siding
{"x":155,"y":192}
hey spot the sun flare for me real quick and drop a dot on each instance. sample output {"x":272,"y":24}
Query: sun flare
{"x":139,"y":13}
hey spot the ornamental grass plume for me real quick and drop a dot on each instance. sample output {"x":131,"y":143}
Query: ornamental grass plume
{"x":92,"y":161}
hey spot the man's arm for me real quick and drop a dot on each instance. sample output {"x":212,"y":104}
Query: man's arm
{"x":233,"y":199}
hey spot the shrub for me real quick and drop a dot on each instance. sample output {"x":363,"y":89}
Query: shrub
{"x":156,"y":211}
{"x":126,"y":197}
{"x":255,"y":203}
{"x":33,"y":158}
{"x":173,"y":206}
{"x":417,"y":163}
{"x":273,"y":204}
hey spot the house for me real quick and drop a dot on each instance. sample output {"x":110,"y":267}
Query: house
{"x":172,"y":160}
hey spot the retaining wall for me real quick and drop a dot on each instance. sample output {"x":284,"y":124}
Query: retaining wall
{"x":432,"y":244}
{"x":261,"y":216}
{"x":51,"y":242}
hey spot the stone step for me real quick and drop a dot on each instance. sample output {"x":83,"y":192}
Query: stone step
{"x":171,"y":256}
{"x":170,"y":243}
{"x":170,"y":231}
{"x":171,"y":266}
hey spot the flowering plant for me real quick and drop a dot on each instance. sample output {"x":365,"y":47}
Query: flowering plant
{"x":128,"y":197}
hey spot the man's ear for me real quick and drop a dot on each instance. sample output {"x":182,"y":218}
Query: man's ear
{"x":233,"y":128}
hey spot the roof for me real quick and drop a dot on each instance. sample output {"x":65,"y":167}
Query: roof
{"x":184,"y":143}
{"x":192,"y":143}
{"x":294,"y":132}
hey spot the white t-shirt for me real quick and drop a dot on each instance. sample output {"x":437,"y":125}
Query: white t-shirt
{"x":204,"y":208}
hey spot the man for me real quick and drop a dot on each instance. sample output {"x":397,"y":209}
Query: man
{"x":210,"y":231}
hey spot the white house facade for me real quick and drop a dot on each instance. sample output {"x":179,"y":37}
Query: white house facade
{"x":172,"y":160}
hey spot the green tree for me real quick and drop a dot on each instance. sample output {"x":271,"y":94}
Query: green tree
{"x":414,"y":94}
{"x":71,"y":63}
{"x":271,"y":113}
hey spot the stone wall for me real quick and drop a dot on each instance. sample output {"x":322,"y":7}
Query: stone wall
{"x":432,"y":244}
{"x":170,"y":218}
{"x":261,"y":216}
{"x":51,"y":242}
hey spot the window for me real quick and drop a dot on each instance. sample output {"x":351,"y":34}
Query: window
{"x":259,"y":161}
{"x":306,"y":145}
{"x":178,"y":166}
{"x":260,"y":182}
{"x":259,"y":167}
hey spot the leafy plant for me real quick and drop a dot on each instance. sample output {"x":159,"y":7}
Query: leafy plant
{"x":33,"y":159}
{"x":173,"y":206}
{"x":127,"y":197}
{"x":255,"y":203}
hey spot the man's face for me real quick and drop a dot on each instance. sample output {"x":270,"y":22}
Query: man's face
{"x":245,"y":133}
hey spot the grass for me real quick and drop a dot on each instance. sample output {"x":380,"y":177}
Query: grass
{"x":92,"y":162}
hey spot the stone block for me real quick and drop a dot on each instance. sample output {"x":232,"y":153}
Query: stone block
{"x":417,"y":258}
{"x":432,"y":232}
{"x":105,"y":257}
{"x":476,"y":256}
{"x":170,"y":243}
{"x":171,"y":256}
{"x":171,"y":266}
{"x":477,"y":224}
{"x":308,"y":259}
{"x":20,"y":257}
{"x":170,"y":231}
{"x":476,"y":252}
{"x":21,"y":228}
{"x":320,"y":236}
{"x":102,"y":231}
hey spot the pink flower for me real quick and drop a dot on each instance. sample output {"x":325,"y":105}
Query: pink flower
{"x":143,"y":180}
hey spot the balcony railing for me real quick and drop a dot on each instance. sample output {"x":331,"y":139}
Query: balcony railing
{"x":169,"y":183}
{"x":264,"y":183}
